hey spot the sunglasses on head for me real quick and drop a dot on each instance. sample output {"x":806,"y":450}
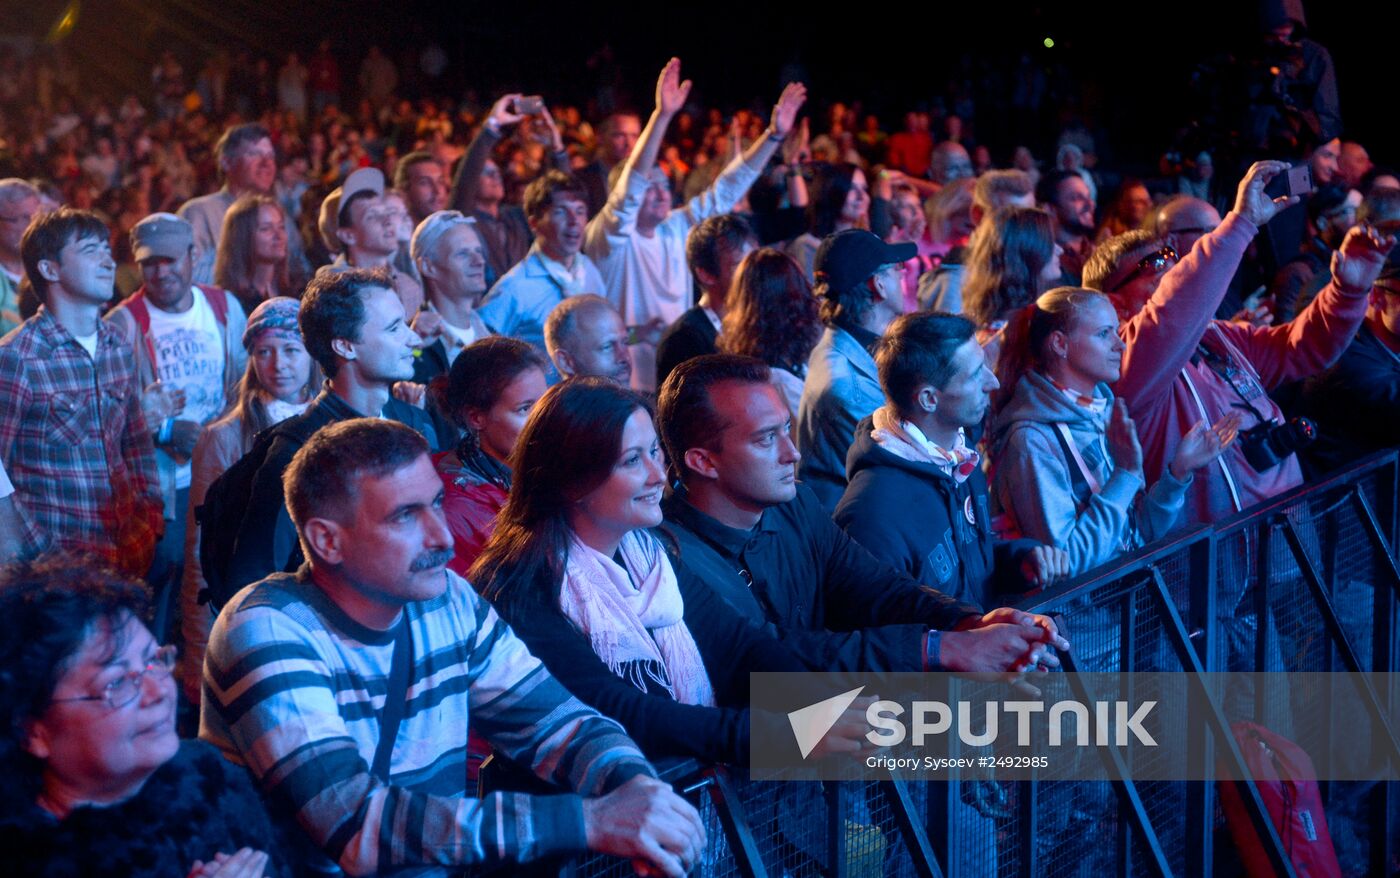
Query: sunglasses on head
{"x":1157,"y":260}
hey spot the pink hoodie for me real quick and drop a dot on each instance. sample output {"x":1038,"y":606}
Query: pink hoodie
{"x":1162,"y":340}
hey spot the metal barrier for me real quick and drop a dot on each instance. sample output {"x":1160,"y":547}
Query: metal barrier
{"x":1306,"y":582}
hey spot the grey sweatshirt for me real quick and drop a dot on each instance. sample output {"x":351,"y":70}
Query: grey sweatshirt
{"x":1032,"y":479}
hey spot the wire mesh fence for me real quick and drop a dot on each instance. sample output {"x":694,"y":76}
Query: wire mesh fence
{"x":1244,"y":596}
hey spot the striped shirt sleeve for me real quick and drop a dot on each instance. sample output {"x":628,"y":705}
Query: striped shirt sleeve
{"x":297,"y":703}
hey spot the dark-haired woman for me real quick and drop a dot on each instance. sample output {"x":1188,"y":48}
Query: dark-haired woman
{"x":575,"y":569}
{"x":771,"y":314}
{"x":493,"y":385}
{"x":93,"y":779}
{"x":839,"y":198}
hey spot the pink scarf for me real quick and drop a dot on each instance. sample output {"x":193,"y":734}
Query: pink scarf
{"x":905,"y":440}
{"x":635,"y":624}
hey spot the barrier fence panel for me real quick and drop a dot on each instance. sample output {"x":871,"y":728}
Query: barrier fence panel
{"x":1306,"y":583}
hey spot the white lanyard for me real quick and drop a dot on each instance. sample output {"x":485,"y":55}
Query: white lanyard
{"x":1229,"y":479}
{"x":1094,"y":486}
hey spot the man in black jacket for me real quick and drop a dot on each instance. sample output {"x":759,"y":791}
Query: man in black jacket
{"x":912,"y":455}
{"x":714,"y":250}
{"x":354,"y":326}
{"x":742,"y":523}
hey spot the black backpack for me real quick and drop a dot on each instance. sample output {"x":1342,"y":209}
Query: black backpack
{"x":221,"y":514}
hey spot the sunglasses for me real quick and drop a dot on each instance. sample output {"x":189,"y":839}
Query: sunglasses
{"x":1154,"y":262}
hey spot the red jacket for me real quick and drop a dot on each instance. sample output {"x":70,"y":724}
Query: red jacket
{"x":473,"y":492}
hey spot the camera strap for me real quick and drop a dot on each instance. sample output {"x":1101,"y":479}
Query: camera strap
{"x":1219,"y":458}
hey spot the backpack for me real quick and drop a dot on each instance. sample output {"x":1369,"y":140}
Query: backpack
{"x":221,"y":514}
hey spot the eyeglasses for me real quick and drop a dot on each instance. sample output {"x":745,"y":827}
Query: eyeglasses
{"x":123,"y":690}
{"x":1154,"y":262}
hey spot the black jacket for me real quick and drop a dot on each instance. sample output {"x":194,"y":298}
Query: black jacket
{"x":692,"y":335}
{"x":912,"y":516}
{"x":661,"y":726}
{"x":1356,"y":402}
{"x":267,"y":540}
{"x":800,"y":578}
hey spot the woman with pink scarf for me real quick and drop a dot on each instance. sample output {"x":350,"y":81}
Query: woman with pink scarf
{"x":576,"y":570}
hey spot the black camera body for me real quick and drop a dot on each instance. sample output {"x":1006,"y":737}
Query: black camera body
{"x":1266,"y":445}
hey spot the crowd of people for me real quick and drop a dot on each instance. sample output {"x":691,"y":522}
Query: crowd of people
{"x":427,"y":435}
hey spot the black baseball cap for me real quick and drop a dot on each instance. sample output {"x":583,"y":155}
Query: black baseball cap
{"x":846,"y":258}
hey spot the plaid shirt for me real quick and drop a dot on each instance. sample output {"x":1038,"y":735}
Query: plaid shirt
{"x":76,"y":446}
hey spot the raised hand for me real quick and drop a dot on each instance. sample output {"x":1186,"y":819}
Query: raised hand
{"x":1123,"y":440}
{"x":1252,"y":203}
{"x":797,"y":147}
{"x":785,"y":110}
{"x":1358,"y":262}
{"x":503,"y":113}
{"x":1202,"y":444}
{"x":671,"y":92}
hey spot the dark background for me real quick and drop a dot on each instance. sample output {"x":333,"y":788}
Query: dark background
{"x":1130,"y":64}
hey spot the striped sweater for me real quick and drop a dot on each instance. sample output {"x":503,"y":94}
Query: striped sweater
{"x":293,"y":689}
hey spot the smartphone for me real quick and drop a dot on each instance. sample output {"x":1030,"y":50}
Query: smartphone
{"x":1294,"y":181}
{"x":529,"y":105}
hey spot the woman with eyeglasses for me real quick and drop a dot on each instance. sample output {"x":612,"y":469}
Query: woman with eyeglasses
{"x":93,"y":779}
{"x":1067,"y":468}
{"x":576,"y":570}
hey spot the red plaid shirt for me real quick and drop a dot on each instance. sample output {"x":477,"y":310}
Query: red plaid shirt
{"x":75,"y":444}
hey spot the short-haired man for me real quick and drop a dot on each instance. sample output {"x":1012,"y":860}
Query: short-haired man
{"x":452,"y":261}
{"x":189,"y":339}
{"x":617,"y":136}
{"x":553,"y":270}
{"x":714,"y":249}
{"x":479,"y":192}
{"x":586,"y":337}
{"x":295,"y":663}
{"x":354,"y":327}
{"x":247,"y":164}
{"x":1181,"y":366}
{"x":638,"y":240}
{"x":73,"y":438}
{"x":360,"y":224}
{"x":19,"y":202}
{"x":1067,"y":196}
{"x":912,"y":454}
{"x":761,"y":541}
{"x":859,"y":284}
{"x":422,"y":179}
{"x":941,"y":288}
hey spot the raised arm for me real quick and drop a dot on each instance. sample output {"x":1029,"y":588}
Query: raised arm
{"x":1163,"y":335}
{"x":463,"y":195}
{"x":1314,"y":339}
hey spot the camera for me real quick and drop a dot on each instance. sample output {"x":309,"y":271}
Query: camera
{"x":1266,"y":445}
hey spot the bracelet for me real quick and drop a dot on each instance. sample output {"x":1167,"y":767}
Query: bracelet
{"x":167,"y":429}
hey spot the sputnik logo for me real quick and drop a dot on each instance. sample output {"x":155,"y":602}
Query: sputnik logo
{"x":811,"y":723}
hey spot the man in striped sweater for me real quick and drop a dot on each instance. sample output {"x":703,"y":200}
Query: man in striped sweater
{"x":298,"y":668}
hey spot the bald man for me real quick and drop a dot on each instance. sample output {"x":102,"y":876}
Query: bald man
{"x":585,"y":336}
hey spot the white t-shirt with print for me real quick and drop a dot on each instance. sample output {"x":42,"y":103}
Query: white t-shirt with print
{"x":189,"y":354}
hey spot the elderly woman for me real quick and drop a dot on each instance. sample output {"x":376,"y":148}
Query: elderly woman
{"x":280,"y":382}
{"x":93,"y":780}
{"x":575,"y":569}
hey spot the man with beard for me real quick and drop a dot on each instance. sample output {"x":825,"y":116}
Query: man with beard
{"x":308,"y":677}
{"x":188,"y":343}
{"x":423,"y":181}
{"x":354,"y":327}
{"x":1067,"y":196}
